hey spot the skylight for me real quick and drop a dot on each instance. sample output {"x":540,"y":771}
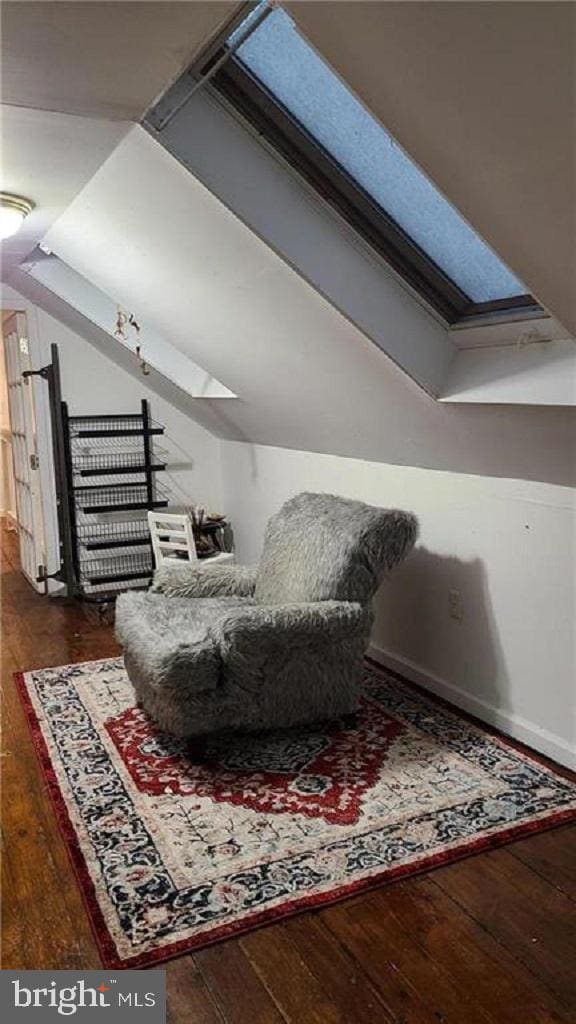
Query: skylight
{"x":297,"y":78}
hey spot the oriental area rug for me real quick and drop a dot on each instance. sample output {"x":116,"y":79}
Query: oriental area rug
{"x":172,"y":851}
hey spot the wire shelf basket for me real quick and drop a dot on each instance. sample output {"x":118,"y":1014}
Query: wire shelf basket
{"x":104,"y":593}
{"x":117,"y":569}
{"x":117,"y":463}
{"x":111,"y":426}
{"x":95,"y":535}
{"x":98,"y":498}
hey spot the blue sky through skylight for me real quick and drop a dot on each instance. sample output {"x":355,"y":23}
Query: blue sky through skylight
{"x":295,"y":74}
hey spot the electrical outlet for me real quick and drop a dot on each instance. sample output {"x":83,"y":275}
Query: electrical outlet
{"x":455,"y":606}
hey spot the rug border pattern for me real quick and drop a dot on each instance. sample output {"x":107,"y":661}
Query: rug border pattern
{"x":105,"y":941}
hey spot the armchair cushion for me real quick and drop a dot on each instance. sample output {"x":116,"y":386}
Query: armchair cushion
{"x":293,"y":663}
{"x":258,"y":642}
{"x":182,"y":579}
{"x":251,"y":627}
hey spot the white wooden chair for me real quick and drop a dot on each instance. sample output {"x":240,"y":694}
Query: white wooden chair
{"x":173,"y":538}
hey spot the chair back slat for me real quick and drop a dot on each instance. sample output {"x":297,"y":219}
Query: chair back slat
{"x":172,"y":536}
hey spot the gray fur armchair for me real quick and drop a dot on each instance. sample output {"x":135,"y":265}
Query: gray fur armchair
{"x":259,"y":647}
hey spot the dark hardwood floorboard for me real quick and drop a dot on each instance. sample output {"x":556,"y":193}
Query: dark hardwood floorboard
{"x":488,"y":939}
{"x":523,"y":911}
{"x":341,"y":975}
{"x":187,"y":995}
{"x":412,"y":982}
{"x":236,"y":988}
{"x":552,"y":855}
{"x":473,"y":958}
{"x":288,"y":978}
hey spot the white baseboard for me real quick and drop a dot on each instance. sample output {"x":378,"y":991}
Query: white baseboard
{"x":518,"y":728}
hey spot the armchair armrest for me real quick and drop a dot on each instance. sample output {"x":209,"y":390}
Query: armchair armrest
{"x":181,"y":579}
{"x":260,"y":627}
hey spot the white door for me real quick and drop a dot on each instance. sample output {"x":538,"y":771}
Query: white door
{"x":24,"y":449}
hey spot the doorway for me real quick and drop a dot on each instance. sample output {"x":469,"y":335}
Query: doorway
{"x":21,"y":429}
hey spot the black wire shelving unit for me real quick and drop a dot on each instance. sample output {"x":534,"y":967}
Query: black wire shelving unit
{"x":106,"y":480}
{"x":106,"y":470}
{"x":112,"y":471}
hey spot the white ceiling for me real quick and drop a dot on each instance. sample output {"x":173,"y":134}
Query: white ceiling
{"x":482,"y":96}
{"x":108,"y":59}
{"x":48,"y":158}
{"x":74,"y":76}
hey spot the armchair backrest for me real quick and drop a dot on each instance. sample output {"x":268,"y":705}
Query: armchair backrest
{"x":320,"y":547}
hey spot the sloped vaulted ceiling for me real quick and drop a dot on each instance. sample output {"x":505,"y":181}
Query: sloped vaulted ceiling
{"x":150,"y":235}
{"x":306,"y":378}
{"x":100,"y":58}
{"x":483,"y":97}
{"x":73,"y":75}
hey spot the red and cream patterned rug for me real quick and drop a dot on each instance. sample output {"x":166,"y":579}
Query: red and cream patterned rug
{"x":172,"y":855}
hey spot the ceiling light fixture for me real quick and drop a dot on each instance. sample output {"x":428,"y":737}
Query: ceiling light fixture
{"x":13,"y":210}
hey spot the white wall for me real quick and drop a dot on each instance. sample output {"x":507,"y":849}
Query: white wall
{"x":539,"y":373}
{"x":506,"y":545}
{"x":102,"y":311}
{"x":305,"y":377}
{"x":92,"y":383}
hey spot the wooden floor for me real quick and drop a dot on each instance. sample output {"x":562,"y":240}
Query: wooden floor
{"x":489,"y":939}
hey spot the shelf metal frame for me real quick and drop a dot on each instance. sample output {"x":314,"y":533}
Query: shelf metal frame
{"x":82,"y":530}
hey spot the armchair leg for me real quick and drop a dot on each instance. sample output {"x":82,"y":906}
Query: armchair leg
{"x":351,"y":720}
{"x":198,"y":749}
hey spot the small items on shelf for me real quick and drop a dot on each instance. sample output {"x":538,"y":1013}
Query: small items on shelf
{"x":181,"y":532}
{"x":210,"y":529}
{"x":209,"y":532}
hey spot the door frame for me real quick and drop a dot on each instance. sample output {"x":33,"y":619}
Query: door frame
{"x":25,"y":460}
{"x":39,"y":348}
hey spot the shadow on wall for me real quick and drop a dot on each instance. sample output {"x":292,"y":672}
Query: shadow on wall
{"x":413,"y":621}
